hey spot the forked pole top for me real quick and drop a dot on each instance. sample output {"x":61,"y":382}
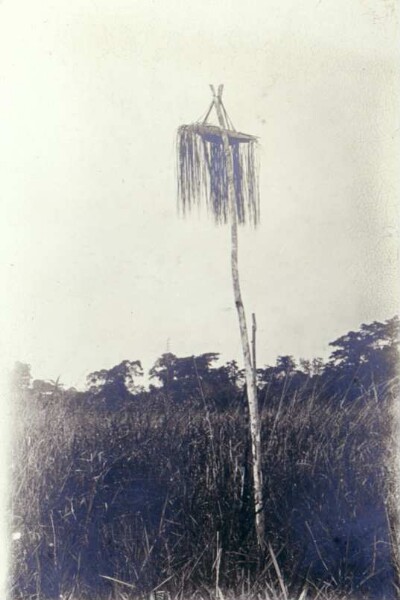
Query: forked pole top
{"x":217,"y":103}
{"x":217,"y":95}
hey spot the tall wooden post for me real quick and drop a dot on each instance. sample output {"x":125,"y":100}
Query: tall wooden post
{"x":255,"y":429}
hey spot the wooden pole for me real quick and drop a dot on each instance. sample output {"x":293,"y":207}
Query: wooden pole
{"x":253,"y":348}
{"x":255,"y":430}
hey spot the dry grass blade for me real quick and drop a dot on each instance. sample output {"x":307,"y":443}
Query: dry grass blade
{"x":130,"y":585}
{"x":162,"y":583}
{"x":278,"y":572}
{"x":303,"y":594}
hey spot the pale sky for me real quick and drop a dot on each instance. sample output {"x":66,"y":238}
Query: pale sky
{"x":97,"y":266}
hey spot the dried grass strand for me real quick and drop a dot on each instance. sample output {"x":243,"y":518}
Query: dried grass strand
{"x":202,"y":173}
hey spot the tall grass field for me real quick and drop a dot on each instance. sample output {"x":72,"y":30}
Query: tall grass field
{"x":148,"y":493}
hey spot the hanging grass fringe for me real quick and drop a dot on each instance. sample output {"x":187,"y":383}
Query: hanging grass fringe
{"x":202,"y":174}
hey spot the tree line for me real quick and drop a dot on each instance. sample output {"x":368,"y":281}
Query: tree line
{"x":359,"y":359}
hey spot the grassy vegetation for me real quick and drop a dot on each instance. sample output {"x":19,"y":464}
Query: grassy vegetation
{"x":155,"y":498}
